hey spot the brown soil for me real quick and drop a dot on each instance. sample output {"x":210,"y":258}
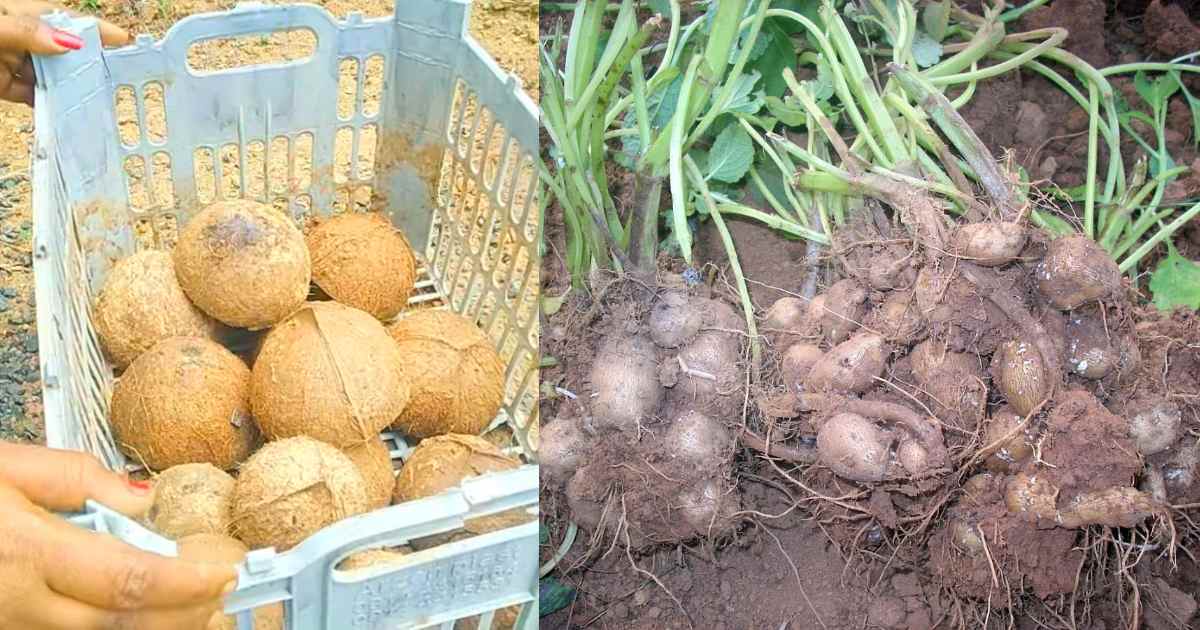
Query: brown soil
{"x":945,"y":551}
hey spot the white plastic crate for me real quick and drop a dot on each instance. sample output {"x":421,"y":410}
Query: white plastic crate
{"x":405,"y":113}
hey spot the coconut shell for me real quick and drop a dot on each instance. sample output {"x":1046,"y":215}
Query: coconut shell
{"x":291,"y":489}
{"x":141,"y":304}
{"x":186,"y":400}
{"x":374,"y":558}
{"x":361,"y":260}
{"x":192,"y":499}
{"x":243,"y":263}
{"x":443,"y":462}
{"x":223,"y":549}
{"x":374,"y":461}
{"x":455,"y":375}
{"x":329,"y":372}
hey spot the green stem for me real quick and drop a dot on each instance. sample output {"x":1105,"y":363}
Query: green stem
{"x":1056,"y":37}
{"x":1149,"y":66}
{"x":1165,"y":232}
{"x":683,"y":235}
{"x":1089,"y":191}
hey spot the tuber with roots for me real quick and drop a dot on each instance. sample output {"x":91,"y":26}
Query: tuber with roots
{"x":1154,"y":424}
{"x":1076,"y":271}
{"x":989,"y":244}
{"x":674,"y":321}
{"x":842,"y":310}
{"x":852,"y":366}
{"x":797,"y":362}
{"x":784,"y":323}
{"x":1021,"y":376}
{"x":853,"y":446}
{"x":1090,"y":352}
{"x":952,"y":383}
{"x":898,"y":319}
{"x":625,"y":383}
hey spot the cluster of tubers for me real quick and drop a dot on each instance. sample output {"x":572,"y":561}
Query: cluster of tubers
{"x":264,"y":449}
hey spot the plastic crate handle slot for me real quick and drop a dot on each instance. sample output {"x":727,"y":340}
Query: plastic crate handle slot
{"x":248,"y":19}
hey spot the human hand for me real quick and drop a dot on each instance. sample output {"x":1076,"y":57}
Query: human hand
{"x":22,"y":32}
{"x":56,"y":576}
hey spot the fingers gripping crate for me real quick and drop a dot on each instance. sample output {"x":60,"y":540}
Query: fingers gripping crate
{"x":405,"y":114}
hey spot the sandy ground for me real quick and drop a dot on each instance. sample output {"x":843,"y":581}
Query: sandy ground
{"x":507,"y":28}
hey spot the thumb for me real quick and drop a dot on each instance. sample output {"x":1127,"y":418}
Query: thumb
{"x":63,"y":480}
{"x":28,"y":34}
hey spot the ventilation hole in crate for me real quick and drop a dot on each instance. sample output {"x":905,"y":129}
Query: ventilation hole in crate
{"x":508,"y":172}
{"x":125,"y":105}
{"x":522,"y":188}
{"x":167,"y":229}
{"x":304,"y":206}
{"x":343,"y":148}
{"x":465,"y":139}
{"x":227,"y":53}
{"x":457,"y":106}
{"x":162,"y":181}
{"x":231,"y":172}
{"x":445,"y":179}
{"x":347,"y":88}
{"x":373,"y":82}
{"x":202,"y":172}
{"x":280,"y":204}
{"x":454,"y":209}
{"x":501,"y":251}
{"x":341,"y":201}
{"x":135,"y":178}
{"x":277,"y":166}
{"x":479,"y":139}
{"x":156,"y":112}
{"x":495,"y":156}
{"x":143,"y":233}
{"x":520,"y":270}
{"x":368,"y":137}
{"x":362,"y":197}
{"x":302,"y":145}
{"x":256,"y":170}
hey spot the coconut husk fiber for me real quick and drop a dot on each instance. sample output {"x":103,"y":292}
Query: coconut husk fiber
{"x":329,"y":372}
{"x":374,"y":461}
{"x":141,"y":304}
{"x":455,"y":375}
{"x":362,"y":260}
{"x":186,"y":400}
{"x":244,"y":263}
{"x":192,"y":499}
{"x":292,"y":488}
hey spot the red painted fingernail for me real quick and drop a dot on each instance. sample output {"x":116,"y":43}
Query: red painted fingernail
{"x":67,"y":40}
{"x":139,"y":487}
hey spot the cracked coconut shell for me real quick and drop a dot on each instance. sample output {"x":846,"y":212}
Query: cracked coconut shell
{"x":223,"y":549}
{"x":191,"y":499}
{"x":244,"y":263}
{"x":292,"y":488}
{"x":440,"y":463}
{"x":361,"y":260}
{"x":141,"y":304}
{"x":455,"y":375}
{"x":186,"y":400}
{"x":374,"y":461}
{"x":329,"y":372}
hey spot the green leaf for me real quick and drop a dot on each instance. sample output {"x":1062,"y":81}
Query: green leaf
{"x":926,"y":51}
{"x":1155,"y":92}
{"x":822,"y":87}
{"x":731,"y":155}
{"x":789,"y":114}
{"x":666,"y":102}
{"x":744,"y":100}
{"x":779,"y":54}
{"x":1175,"y":283}
{"x":936,"y":18}
{"x":700,"y":156}
{"x":1160,"y":162}
{"x":553,"y":596}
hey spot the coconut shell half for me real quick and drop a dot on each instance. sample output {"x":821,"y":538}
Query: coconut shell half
{"x":292,"y":488}
{"x":141,"y":304}
{"x":329,"y":372}
{"x":186,"y":400}
{"x":374,"y":461}
{"x":440,"y":463}
{"x":244,"y":263}
{"x":362,"y":260}
{"x":455,"y":375}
